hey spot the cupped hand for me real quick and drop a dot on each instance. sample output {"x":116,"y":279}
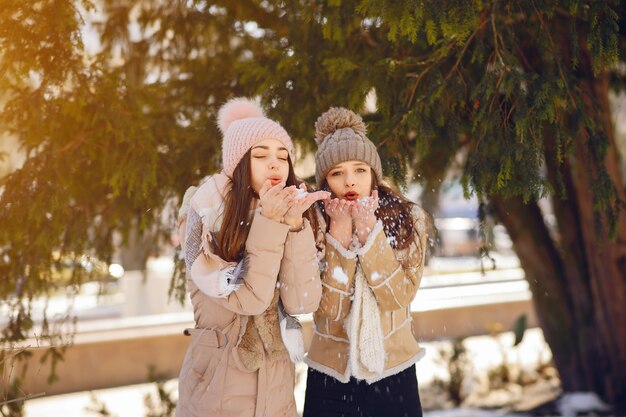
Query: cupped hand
{"x":364,"y":215}
{"x":340,"y":220}
{"x":275,"y":200}
{"x":339,"y":210}
{"x":301,"y":203}
{"x":364,"y":209}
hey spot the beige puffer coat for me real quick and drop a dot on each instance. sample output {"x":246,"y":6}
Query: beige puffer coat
{"x":363,"y":326}
{"x":237,"y":364}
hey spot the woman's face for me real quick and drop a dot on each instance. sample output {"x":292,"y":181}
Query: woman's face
{"x":350,"y":180}
{"x":269,"y":160}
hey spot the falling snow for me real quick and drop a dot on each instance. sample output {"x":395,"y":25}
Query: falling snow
{"x":340,"y":276}
{"x":365,"y":200}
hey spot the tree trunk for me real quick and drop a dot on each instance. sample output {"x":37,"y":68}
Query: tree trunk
{"x":606,"y":258}
{"x":579,"y":281}
{"x":135,"y":251}
{"x":544,"y":271}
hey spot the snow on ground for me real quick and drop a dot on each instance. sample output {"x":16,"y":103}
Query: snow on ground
{"x":569,"y":405}
{"x":468,"y":412}
{"x":580,"y":402}
{"x":484,"y":353}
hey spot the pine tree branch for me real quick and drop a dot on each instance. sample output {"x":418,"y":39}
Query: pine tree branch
{"x":24,"y":398}
{"x":462,"y":53}
{"x":505,"y":122}
{"x":418,"y":78}
{"x":552,"y":49}
{"x":524,"y":59}
{"x":495,"y":37}
{"x":256,"y":13}
{"x":367,"y":36}
{"x":76,"y":142}
{"x":496,"y":93}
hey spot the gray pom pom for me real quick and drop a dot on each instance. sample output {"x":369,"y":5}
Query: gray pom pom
{"x":337,"y":118}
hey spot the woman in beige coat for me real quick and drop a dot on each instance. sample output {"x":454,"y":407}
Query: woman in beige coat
{"x":363,"y":353}
{"x":251,"y":262}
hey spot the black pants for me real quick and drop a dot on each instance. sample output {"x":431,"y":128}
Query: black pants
{"x":394,"y":396}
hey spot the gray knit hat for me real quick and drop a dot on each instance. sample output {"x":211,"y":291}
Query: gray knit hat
{"x":340,"y":137}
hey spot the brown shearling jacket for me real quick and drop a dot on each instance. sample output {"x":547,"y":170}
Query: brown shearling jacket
{"x":363,"y":325}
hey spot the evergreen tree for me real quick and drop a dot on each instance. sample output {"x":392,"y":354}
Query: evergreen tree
{"x":520,"y":89}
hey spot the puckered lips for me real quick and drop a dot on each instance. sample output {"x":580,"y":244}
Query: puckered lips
{"x":351,"y":196}
{"x":275,"y":179}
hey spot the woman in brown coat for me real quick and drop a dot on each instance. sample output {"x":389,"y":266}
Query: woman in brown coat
{"x":251,"y":262}
{"x":363,"y":353}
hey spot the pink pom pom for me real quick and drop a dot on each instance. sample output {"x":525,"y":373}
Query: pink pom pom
{"x":235,"y":109}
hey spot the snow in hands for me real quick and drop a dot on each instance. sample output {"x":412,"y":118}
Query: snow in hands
{"x":300,"y":194}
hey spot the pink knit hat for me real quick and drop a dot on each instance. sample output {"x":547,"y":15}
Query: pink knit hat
{"x":243,"y":123}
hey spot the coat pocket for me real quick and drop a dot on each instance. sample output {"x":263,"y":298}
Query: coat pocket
{"x":207,"y":348}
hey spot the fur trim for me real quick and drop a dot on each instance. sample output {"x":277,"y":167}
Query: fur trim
{"x":235,"y":109}
{"x":250,"y":348}
{"x":378,"y":228}
{"x":400,"y":327}
{"x":216,"y":284}
{"x":331,"y":288}
{"x":339,"y":308}
{"x":386,"y":281}
{"x":221,"y":283}
{"x":262,"y":335}
{"x":337,"y":118}
{"x":346,"y":377}
{"x":269,"y":329}
{"x":328,"y":371}
{"x":343,"y":251}
{"x":355,"y":244}
{"x":330,"y":336}
{"x":398,"y":368}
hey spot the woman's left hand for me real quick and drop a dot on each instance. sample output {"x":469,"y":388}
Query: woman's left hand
{"x":301,"y":203}
{"x":364,"y":216}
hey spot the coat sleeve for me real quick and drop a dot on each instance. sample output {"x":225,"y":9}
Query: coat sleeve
{"x":182,"y":215}
{"x":264,"y":251}
{"x":394,"y":282}
{"x":337,"y":280}
{"x":299,"y":277}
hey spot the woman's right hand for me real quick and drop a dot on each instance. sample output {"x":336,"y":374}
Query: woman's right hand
{"x":339,"y":210}
{"x":340,"y":215}
{"x":275,"y":200}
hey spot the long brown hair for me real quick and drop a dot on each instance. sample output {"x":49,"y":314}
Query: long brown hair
{"x":394,"y":210}
{"x":396,"y":213}
{"x":236,"y":216}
